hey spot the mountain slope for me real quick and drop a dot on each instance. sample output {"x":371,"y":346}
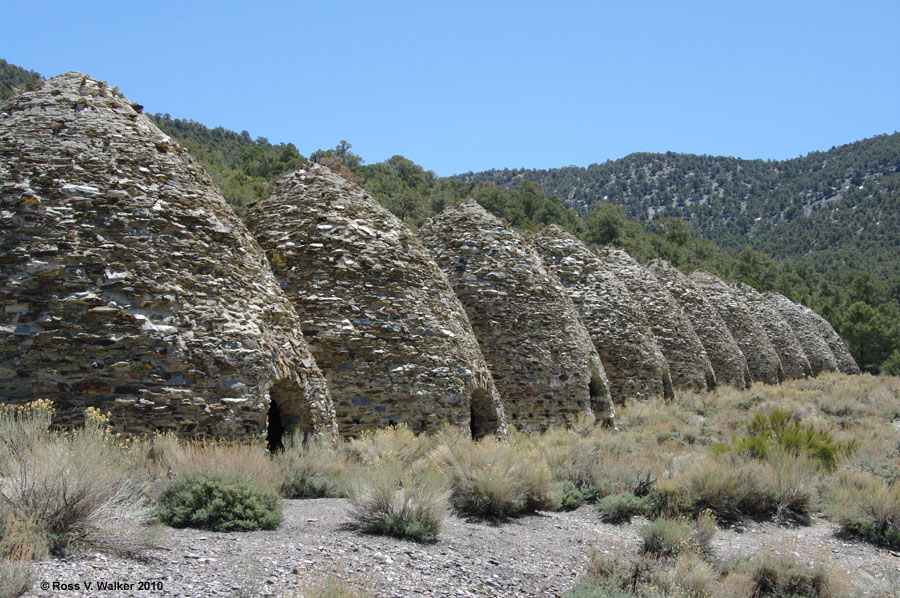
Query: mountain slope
{"x":843,"y":203}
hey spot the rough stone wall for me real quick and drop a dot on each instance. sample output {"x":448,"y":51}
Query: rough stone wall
{"x":821,"y":358}
{"x":633,"y":362}
{"x":381,"y":319}
{"x":724,"y":353}
{"x":762,"y":358}
{"x":539,"y":352}
{"x":793,"y":359}
{"x":689,"y":365}
{"x":843,"y":358}
{"x":128,"y":283}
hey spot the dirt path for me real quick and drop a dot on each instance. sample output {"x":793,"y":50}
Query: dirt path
{"x":538,"y":555}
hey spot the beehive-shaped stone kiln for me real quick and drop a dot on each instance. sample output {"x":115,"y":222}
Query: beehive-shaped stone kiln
{"x":633,"y":362}
{"x":842,"y":357}
{"x":821,"y":359}
{"x":763,"y":360}
{"x":724,"y":353}
{"x":689,"y":365}
{"x":128,"y":284}
{"x":380,"y":317}
{"x":540,"y":353}
{"x":793,"y":359}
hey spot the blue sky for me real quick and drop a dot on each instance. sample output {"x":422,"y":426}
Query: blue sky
{"x":461,"y":86}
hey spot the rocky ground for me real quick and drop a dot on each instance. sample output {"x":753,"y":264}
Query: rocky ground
{"x":538,"y":555}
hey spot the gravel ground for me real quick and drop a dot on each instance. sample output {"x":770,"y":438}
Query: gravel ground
{"x":538,"y":555}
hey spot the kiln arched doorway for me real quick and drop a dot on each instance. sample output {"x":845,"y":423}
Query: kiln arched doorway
{"x":601,"y":406}
{"x":482,"y":414}
{"x":288,"y":414}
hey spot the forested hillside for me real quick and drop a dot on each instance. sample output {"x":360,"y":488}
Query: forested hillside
{"x":14,"y":77}
{"x":836,"y":207}
{"x":822,"y":229}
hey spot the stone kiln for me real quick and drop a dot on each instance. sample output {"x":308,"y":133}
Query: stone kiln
{"x":763,"y":360}
{"x":793,"y":359}
{"x":845,"y":362}
{"x":128,"y":284}
{"x":689,"y":365}
{"x":380,"y":317}
{"x":821,"y":359}
{"x":724,"y":353}
{"x":540,"y":353}
{"x":633,"y":362}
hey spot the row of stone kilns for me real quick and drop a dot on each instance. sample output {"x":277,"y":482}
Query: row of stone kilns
{"x":130,"y":285}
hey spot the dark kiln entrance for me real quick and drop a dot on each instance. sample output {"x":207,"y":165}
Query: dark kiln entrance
{"x":288,"y":414}
{"x":483,"y":415}
{"x":599,"y":405}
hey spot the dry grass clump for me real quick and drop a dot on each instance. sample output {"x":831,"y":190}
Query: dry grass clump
{"x":171,"y":457}
{"x":494,"y":479}
{"x":332,"y":584}
{"x":21,"y":541}
{"x":16,"y":578}
{"x":409,"y":504}
{"x":866,"y":506}
{"x":671,"y":537}
{"x":689,"y":574}
{"x":75,"y":486}
{"x":732,"y":488}
{"x":315,"y":469}
{"x":784,"y":576}
{"x":397,"y":443}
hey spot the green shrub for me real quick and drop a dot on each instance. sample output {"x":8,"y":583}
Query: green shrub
{"x":668,"y":499}
{"x":411,"y":505}
{"x":784,"y":577}
{"x":619,"y":508}
{"x":671,"y":537}
{"x":219,"y":502}
{"x":570,"y":496}
{"x":779,"y":430}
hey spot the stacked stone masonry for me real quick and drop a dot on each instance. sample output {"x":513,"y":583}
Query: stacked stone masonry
{"x":845,"y":361}
{"x":763,"y":360}
{"x":793,"y":359}
{"x":128,"y":284}
{"x":542,"y":358}
{"x":817,"y":351}
{"x":724,"y":353}
{"x":381,"y":318}
{"x":633,"y":362}
{"x":689,"y":365}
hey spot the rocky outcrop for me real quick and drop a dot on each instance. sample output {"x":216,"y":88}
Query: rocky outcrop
{"x":821,"y":359}
{"x":542,"y":358}
{"x":128,"y":284}
{"x":763,"y":360}
{"x":689,"y":365}
{"x":724,"y":353}
{"x":793,"y":359}
{"x":380,"y":317}
{"x":633,"y":362}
